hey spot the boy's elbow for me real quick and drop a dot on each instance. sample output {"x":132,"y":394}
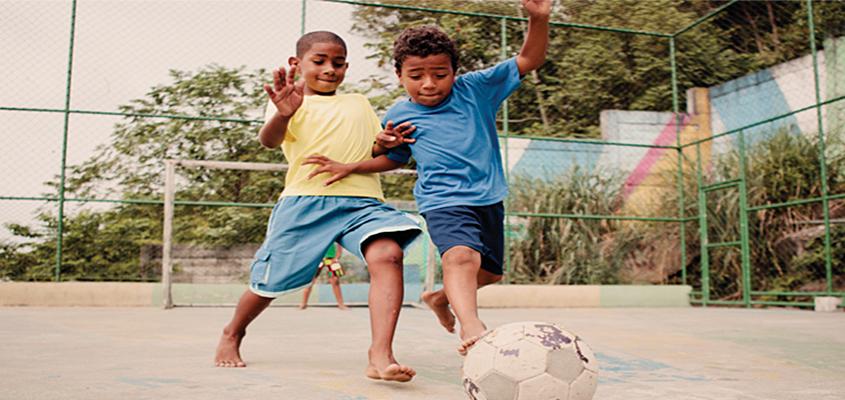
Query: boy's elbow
{"x":536,"y":64}
{"x":528,"y":64}
{"x":267,"y":142}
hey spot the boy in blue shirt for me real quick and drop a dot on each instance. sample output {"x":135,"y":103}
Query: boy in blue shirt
{"x":461,"y":184}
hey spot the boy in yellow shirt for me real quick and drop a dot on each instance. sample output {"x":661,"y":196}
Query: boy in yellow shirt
{"x":308,"y":117}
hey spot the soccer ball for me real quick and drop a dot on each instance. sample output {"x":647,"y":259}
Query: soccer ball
{"x":530,"y":361}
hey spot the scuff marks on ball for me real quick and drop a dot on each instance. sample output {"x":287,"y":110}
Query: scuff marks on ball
{"x":471,"y":389}
{"x":580,"y":353}
{"x":551,"y":336}
{"x":509,"y":353}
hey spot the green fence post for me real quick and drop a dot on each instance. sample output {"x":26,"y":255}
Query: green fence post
{"x":743,"y":224}
{"x":60,"y":227}
{"x":702,"y":229}
{"x":828,"y":269}
{"x":681,"y":200}
{"x":302,"y":18}
{"x":506,"y":130}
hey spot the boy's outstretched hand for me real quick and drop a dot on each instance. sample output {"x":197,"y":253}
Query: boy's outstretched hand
{"x":327,"y":165}
{"x":393,"y":136}
{"x":285,"y":93}
{"x":537,"y":8}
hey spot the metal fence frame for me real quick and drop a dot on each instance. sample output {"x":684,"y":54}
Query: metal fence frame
{"x":701,"y":296}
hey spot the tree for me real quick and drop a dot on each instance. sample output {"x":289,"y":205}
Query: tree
{"x":132,"y":162}
{"x":770,"y":31}
{"x":106,"y":244}
{"x":587,"y":71}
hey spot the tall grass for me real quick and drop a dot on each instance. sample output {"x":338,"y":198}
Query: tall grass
{"x":565,"y":250}
{"x":786,"y":246}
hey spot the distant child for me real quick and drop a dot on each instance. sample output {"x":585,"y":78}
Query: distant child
{"x":460,"y":184}
{"x":331,"y":263}
{"x":305,"y":118}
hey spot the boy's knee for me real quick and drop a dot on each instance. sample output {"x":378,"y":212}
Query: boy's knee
{"x":383,"y":251}
{"x":461,"y":255}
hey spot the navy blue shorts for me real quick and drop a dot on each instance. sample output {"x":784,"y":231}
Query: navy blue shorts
{"x":481,"y":228}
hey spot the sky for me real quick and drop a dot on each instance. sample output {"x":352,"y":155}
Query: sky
{"x":122,"y":48}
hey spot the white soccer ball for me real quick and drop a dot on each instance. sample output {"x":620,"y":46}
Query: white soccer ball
{"x":530,"y":361}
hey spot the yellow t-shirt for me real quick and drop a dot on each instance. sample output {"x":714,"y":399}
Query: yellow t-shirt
{"x":341,"y":127}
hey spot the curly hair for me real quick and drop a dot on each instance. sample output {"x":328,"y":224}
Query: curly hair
{"x":423,"y":41}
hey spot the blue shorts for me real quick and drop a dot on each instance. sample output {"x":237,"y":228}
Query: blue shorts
{"x":481,"y":228}
{"x":301,"y":229}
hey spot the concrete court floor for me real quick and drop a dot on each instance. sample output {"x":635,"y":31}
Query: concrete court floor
{"x":149,"y":353}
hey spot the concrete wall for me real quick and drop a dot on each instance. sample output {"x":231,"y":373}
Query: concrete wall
{"x":64,"y":294}
{"x":194,"y":264}
{"x":117,"y":294}
{"x":532,"y":296}
{"x":206,"y":265}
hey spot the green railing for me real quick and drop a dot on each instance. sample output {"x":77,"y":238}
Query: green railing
{"x":749,"y":295}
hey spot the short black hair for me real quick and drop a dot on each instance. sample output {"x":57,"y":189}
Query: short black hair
{"x":424,"y":41}
{"x":309,"y":39}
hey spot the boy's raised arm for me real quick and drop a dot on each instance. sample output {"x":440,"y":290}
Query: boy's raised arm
{"x":287,"y":97}
{"x":272,"y":133}
{"x":533,"y":52}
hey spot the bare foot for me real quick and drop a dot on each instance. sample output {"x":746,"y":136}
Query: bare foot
{"x":394,"y":372}
{"x":437,"y":302}
{"x":468,"y":340}
{"x":342,"y":306}
{"x":303,"y":306}
{"x":228,"y":351}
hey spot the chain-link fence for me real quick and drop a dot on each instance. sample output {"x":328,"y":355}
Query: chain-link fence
{"x":694,"y":142}
{"x":767,"y":153}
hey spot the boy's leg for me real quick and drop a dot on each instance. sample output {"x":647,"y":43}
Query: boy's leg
{"x":228,"y":349}
{"x":463,"y":234}
{"x":306,"y":293}
{"x":377,"y":233}
{"x":461,"y":267}
{"x":384,"y":261}
{"x":439,"y":302}
{"x":338,"y":295}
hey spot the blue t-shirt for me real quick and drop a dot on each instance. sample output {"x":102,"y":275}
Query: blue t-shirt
{"x":457,"y":147}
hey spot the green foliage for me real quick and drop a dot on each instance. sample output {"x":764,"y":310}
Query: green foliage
{"x":132,"y":160}
{"x":586,"y":71}
{"x":770,"y":31}
{"x":786,"y":245}
{"x":563,"y":250}
{"x":106,"y":245}
{"x":14,"y":262}
{"x":809,"y":270}
{"x":96,"y":246}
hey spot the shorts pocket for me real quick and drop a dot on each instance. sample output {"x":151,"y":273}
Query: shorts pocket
{"x":260,"y":271}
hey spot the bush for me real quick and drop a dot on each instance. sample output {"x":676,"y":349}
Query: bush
{"x":565,"y":250}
